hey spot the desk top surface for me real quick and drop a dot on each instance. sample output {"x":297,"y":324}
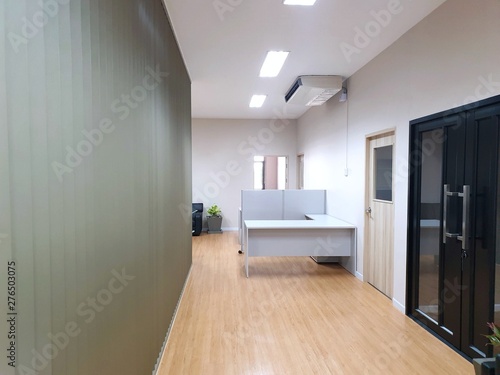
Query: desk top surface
{"x":316,"y":222}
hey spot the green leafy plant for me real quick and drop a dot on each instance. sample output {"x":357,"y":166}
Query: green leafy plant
{"x":214,"y":210}
{"x":495,"y":337}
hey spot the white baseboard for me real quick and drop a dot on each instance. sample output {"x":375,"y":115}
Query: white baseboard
{"x":359,"y":275}
{"x":398,"y":305}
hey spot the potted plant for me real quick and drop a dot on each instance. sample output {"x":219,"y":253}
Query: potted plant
{"x":495,"y":337}
{"x":490,"y":366}
{"x":214,"y":219}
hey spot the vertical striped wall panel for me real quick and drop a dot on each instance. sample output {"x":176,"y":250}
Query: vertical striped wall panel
{"x":95,"y":170}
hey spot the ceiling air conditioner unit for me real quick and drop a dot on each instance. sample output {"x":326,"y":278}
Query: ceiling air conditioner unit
{"x":313,"y":90}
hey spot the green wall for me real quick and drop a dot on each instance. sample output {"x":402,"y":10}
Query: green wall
{"x":95,"y":182}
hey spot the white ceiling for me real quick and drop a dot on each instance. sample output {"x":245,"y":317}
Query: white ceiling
{"x":224,"y":49}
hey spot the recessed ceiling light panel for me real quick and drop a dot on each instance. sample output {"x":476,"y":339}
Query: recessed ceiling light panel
{"x":257,"y":101}
{"x":299,"y":2}
{"x":273,"y":63}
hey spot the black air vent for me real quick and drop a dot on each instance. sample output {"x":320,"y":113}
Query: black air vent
{"x":293,"y":89}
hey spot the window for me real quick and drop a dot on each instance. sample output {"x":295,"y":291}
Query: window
{"x":270,"y":172}
{"x":383,"y":173}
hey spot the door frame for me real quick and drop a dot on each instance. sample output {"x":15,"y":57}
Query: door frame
{"x":300,"y":171}
{"x":366,"y":242}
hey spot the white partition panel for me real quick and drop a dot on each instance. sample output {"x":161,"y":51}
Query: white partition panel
{"x":262,"y":204}
{"x":296,"y":203}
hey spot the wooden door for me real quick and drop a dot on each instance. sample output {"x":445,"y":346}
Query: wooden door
{"x":379,"y":221}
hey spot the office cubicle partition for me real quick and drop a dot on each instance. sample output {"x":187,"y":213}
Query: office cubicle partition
{"x":280,"y":205}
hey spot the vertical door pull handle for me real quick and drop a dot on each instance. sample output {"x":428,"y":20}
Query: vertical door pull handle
{"x":446,"y":190}
{"x":464,"y":236}
{"x":465,"y":218}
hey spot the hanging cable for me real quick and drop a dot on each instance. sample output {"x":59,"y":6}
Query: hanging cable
{"x":346,"y":171}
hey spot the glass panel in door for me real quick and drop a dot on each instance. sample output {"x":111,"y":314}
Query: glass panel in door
{"x":383,"y":173}
{"x":430,"y":223}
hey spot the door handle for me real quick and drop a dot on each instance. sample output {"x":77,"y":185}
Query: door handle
{"x":368,"y":210}
{"x":446,"y":189}
{"x":465,"y":217}
{"x":447,"y":193}
{"x":464,"y":237}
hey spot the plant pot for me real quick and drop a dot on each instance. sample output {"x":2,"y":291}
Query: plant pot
{"x":484,"y":366}
{"x":214,"y":224}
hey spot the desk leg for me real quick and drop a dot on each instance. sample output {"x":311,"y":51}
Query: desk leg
{"x":246,"y":265}
{"x":246,"y":250}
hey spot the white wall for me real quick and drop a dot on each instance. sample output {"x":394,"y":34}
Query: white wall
{"x":445,"y":61}
{"x":223,"y":153}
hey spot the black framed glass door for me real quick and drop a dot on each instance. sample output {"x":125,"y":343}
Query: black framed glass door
{"x":453,"y":224}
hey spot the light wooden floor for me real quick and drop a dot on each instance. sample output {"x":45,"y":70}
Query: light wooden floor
{"x":292,"y":316}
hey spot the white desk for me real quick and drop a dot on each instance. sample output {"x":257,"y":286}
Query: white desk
{"x":321,"y":235}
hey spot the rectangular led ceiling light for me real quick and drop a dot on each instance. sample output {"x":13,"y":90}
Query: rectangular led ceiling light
{"x":257,"y":101}
{"x":273,"y":63}
{"x":299,"y":2}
